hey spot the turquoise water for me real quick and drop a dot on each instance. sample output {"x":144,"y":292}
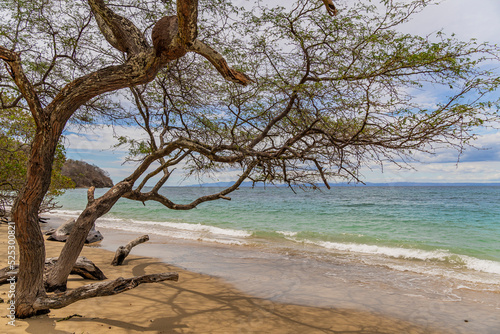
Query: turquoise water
{"x":457,"y":228}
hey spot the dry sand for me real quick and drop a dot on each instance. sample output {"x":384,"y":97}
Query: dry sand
{"x":196,"y":304}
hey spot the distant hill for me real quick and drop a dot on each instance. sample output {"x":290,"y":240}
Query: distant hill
{"x":85,"y":175}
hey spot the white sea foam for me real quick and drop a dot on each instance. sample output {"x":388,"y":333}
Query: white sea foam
{"x":178,"y":230}
{"x":486,"y":266}
{"x":171,"y":229}
{"x":66,"y":213}
{"x":198,"y":228}
{"x":287,"y":233}
{"x":482,"y":265}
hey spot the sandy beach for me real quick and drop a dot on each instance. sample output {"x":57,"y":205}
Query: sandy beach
{"x":196,"y":304}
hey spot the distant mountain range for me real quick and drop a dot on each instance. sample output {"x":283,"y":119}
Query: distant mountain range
{"x":369,"y":184}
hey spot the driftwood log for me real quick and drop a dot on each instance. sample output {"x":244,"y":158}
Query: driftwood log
{"x":123,"y":251}
{"x":62,"y":233}
{"x":119,"y":285}
{"x":83,"y":267}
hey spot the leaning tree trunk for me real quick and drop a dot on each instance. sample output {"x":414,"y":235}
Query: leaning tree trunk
{"x":58,"y":276}
{"x":28,"y":234}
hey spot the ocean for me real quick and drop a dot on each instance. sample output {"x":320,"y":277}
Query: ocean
{"x":438,"y":243}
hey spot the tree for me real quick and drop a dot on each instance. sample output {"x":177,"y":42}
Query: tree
{"x":53,"y":96}
{"x":16,"y":130}
{"x":326,"y":96}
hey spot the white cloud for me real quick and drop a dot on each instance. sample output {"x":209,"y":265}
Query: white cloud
{"x":467,"y":19}
{"x":100,"y":137}
{"x":463,"y":172}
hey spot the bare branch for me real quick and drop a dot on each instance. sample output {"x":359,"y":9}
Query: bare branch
{"x":320,"y":170}
{"x":13,"y":104}
{"x":219,"y":63}
{"x":123,"y":251}
{"x":13,"y":60}
{"x":143,"y":197}
{"x":119,"y":285}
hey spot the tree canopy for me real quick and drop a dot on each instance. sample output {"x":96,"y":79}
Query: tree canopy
{"x":327,"y":98}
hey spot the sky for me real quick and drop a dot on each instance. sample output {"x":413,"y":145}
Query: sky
{"x":466,"y":19}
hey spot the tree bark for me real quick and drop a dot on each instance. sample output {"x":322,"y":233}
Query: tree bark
{"x":119,"y":285}
{"x":83,"y":267}
{"x":57,"y":278}
{"x":123,"y":251}
{"x":29,"y":237}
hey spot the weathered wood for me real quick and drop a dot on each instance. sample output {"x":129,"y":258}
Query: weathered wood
{"x":62,"y":232}
{"x":60,"y":300}
{"x":50,"y":232}
{"x":218,"y":61}
{"x":83,"y":267}
{"x":123,"y":251}
{"x":330,"y":7}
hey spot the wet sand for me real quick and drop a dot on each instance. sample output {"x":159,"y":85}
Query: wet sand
{"x":196,"y":304}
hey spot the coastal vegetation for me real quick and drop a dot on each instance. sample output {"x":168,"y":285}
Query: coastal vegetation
{"x":310,"y":97}
{"x":17,"y":129}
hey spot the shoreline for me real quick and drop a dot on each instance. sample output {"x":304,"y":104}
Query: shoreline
{"x":296,"y":281}
{"x":292,"y":283}
{"x":196,"y":304}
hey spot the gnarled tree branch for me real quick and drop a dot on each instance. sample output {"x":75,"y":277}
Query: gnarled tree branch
{"x":13,"y":60}
{"x":119,"y":285}
{"x":154,"y":196}
{"x":219,"y":63}
{"x":120,"y":32}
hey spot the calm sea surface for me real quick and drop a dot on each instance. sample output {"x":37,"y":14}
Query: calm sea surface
{"x":429,"y":255}
{"x":448,"y":231}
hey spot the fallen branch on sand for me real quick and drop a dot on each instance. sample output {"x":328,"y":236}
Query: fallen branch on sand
{"x":123,"y":251}
{"x":83,"y":267}
{"x":119,"y":285}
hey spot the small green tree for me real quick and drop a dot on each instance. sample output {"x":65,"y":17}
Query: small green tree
{"x":16,"y":133}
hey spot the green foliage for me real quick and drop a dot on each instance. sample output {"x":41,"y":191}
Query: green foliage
{"x":350,"y":83}
{"x":16,"y":131}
